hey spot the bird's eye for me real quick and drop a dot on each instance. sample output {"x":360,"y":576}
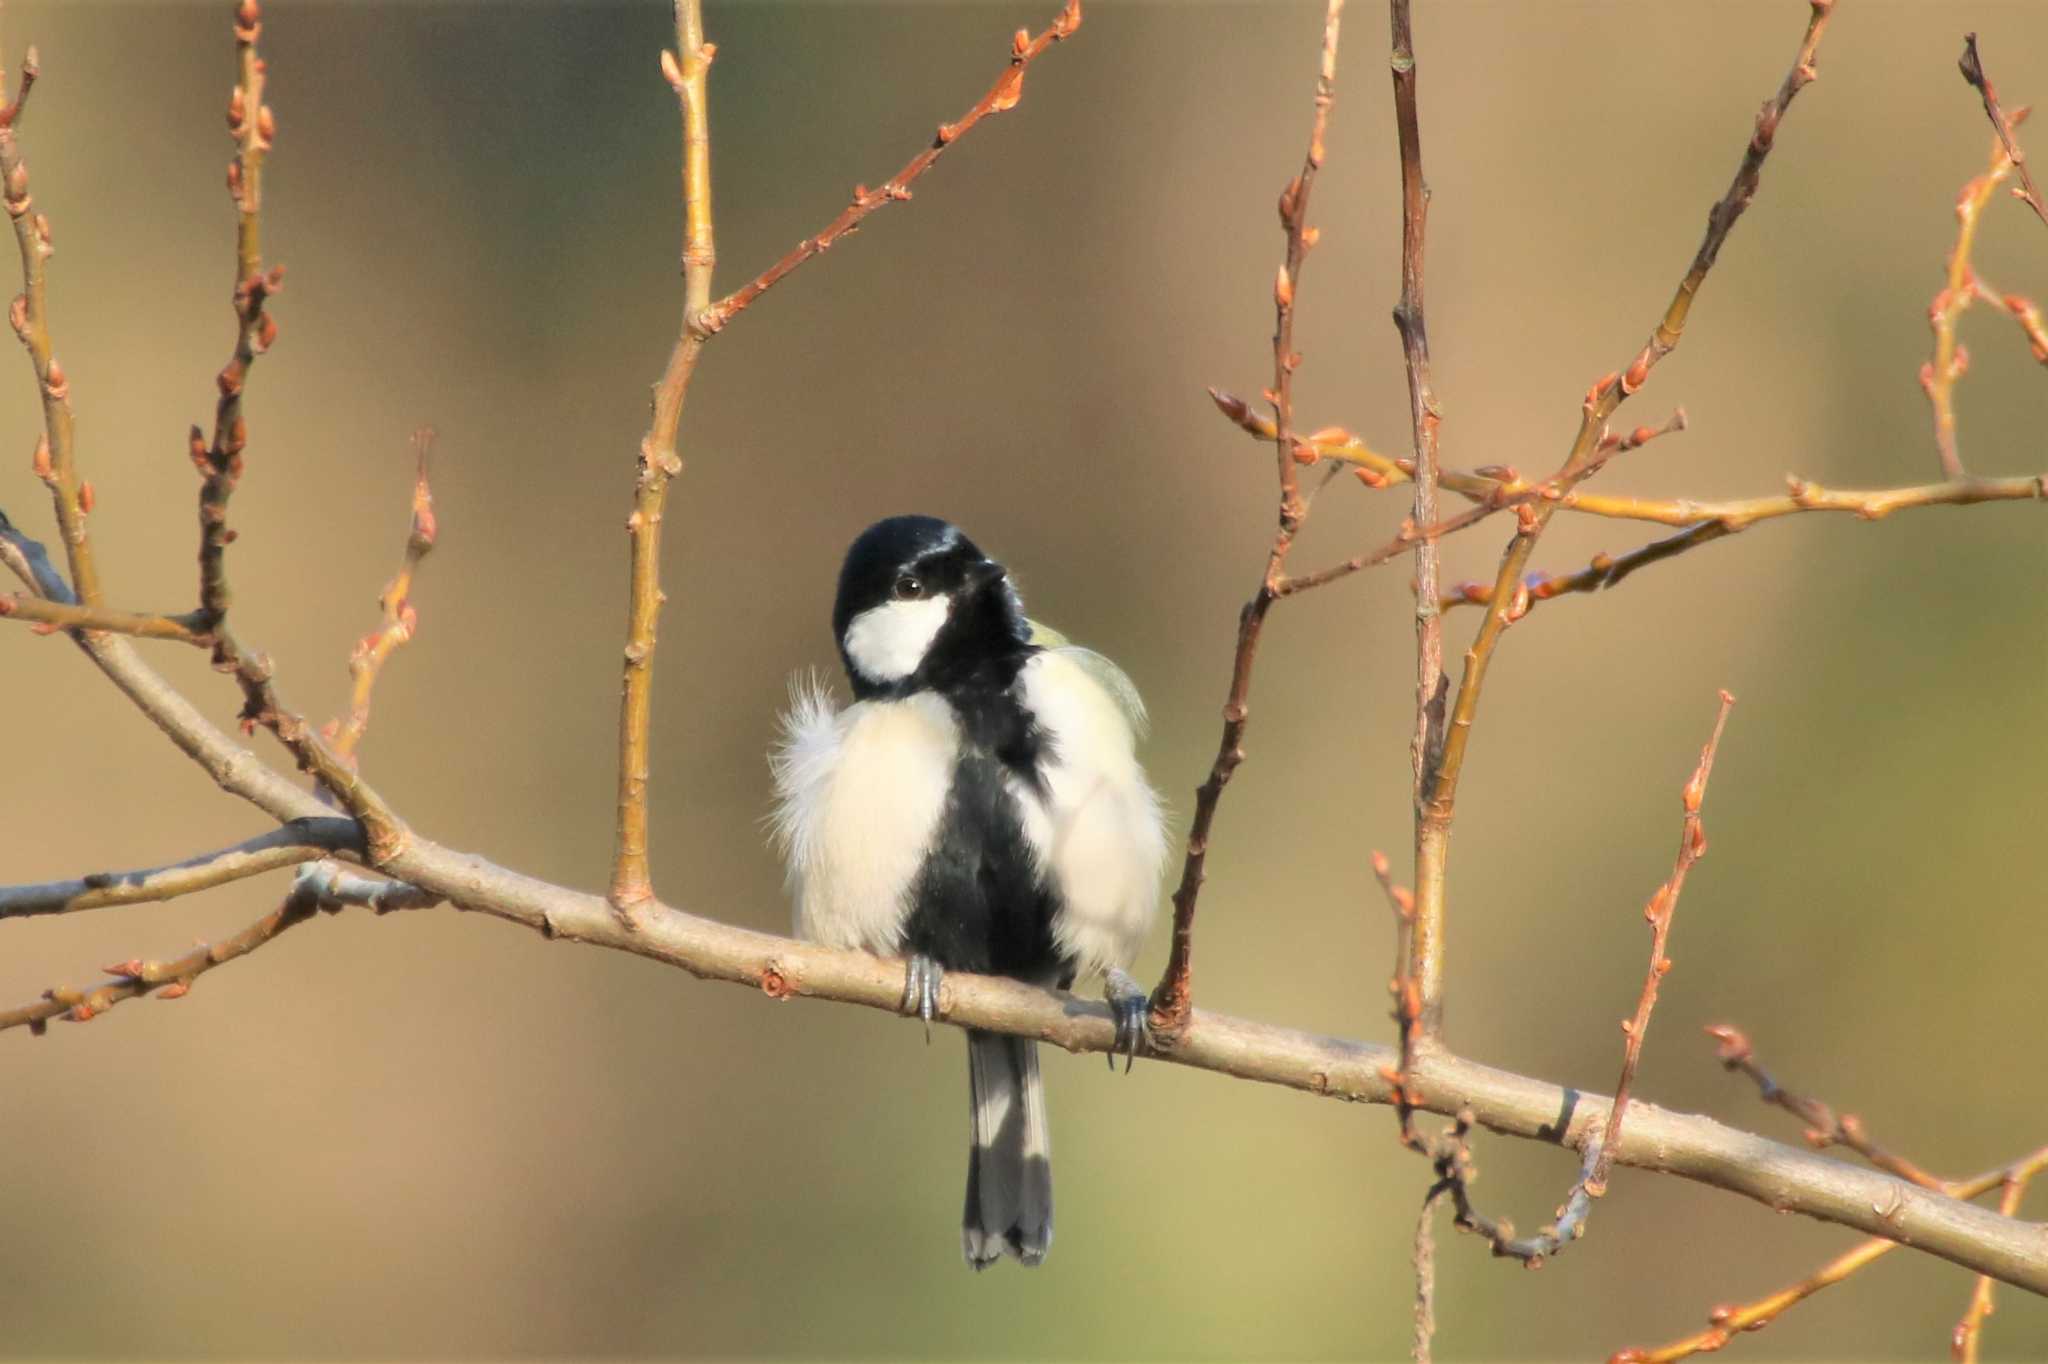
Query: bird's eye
{"x":908,"y":588}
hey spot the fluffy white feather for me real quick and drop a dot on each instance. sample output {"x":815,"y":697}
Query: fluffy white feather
{"x":1098,"y":828}
{"x":858,"y":795}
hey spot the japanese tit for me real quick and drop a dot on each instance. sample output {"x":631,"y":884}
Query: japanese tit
{"x":979,"y":807}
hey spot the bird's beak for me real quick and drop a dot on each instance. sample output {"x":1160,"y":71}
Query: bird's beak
{"x":983,"y":575}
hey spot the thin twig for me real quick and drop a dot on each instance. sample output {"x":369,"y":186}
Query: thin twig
{"x":400,"y":620}
{"x":1608,"y":393}
{"x":1425,"y":1278}
{"x":1730,"y":518}
{"x":1432,"y":823}
{"x":1663,"y":907}
{"x":1000,"y":98}
{"x":1173,"y":997}
{"x":1725,"y":1323}
{"x":300,"y":840}
{"x":1969,"y":1332}
{"x":1972,"y":67}
{"x":1961,"y":287}
{"x":317,"y":888}
{"x":1824,"y":1128}
{"x":686,"y":69}
{"x":56,"y":457}
{"x":59,"y":615}
{"x":253,"y":127}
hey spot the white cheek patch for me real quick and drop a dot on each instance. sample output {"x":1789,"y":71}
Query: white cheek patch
{"x":886,"y":643}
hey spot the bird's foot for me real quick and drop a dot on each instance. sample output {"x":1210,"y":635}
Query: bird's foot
{"x":1129,"y":1005}
{"x":921,"y":979}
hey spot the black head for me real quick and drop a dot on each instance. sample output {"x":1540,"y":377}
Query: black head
{"x":921,"y":606}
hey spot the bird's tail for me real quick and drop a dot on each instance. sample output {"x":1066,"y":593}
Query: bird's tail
{"x":1009,"y":1167}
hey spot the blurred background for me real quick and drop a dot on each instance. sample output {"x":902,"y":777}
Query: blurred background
{"x":436,"y":1135}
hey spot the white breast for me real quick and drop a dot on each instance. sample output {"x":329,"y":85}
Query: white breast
{"x":1098,"y":828}
{"x":859,"y":793}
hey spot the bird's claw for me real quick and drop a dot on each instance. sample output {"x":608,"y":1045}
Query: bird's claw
{"x":921,"y":979}
{"x":1129,"y":1006}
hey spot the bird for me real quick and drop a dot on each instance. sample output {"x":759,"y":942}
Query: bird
{"x":978,"y":806}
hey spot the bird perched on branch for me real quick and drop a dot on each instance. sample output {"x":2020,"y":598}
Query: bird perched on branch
{"x":979,"y":807}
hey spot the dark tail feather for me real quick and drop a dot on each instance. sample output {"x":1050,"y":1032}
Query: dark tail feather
{"x":1009,"y":1166}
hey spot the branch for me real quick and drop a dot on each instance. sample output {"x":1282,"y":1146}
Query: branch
{"x":1960,"y":288}
{"x":1972,"y":67}
{"x":1506,"y":602}
{"x":56,"y":454}
{"x":1725,"y":1323}
{"x":1432,"y":824}
{"x":1723,"y":519}
{"x":1001,"y":97}
{"x":61,"y":615}
{"x":323,"y":888}
{"x":1823,"y":1127}
{"x":367,"y":659}
{"x":1173,"y":997}
{"x":300,"y":840}
{"x":632,"y":886}
{"x":1687,"y":1145}
{"x":253,"y":127}
{"x":1970,"y":1330}
{"x":1663,"y":907}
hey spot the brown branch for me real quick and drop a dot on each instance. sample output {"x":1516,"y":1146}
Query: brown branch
{"x":1506,"y":602}
{"x":400,"y":620}
{"x":1432,"y":824}
{"x":1729,"y":518}
{"x":1969,"y":1331}
{"x":1972,"y":67}
{"x":323,"y":888}
{"x":632,"y":885}
{"x":1173,"y":997}
{"x":219,"y":462}
{"x":1425,"y":1278}
{"x":298,"y":841}
{"x":61,"y":615}
{"x":1960,"y":288}
{"x":56,"y":457}
{"x":1823,"y":1127}
{"x":1663,"y":907}
{"x":1001,"y":97}
{"x":1725,"y":1323}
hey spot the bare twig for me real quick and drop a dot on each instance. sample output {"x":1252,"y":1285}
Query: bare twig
{"x":1663,"y":907}
{"x":1173,"y":997}
{"x":1001,"y":97}
{"x":395,"y":603}
{"x":1972,"y":67}
{"x":1725,"y":1323}
{"x":1969,"y":1332}
{"x":325,"y":887}
{"x":300,"y":840}
{"x":1425,"y":1278}
{"x":1506,"y":603}
{"x":1960,"y":288}
{"x":686,"y":69}
{"x":56,"y":461}
{"x":1823,"y":1127}
{"x":219,"y":462}
{"x":1432,"y":822}
{"x":61,"y":615}
{"x":1723,"y":519}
